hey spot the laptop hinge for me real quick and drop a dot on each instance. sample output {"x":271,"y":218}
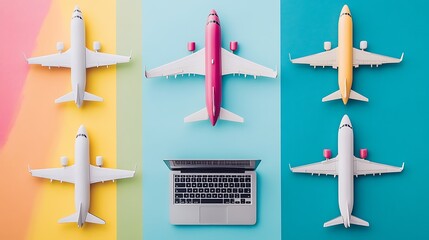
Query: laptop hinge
{"x":212,"y":170}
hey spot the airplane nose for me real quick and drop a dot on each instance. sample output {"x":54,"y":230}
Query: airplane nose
{"x":345,"y":9}
{"x":345,"y":120}
{"x":213,"y":12}
{"x":82,"y":130}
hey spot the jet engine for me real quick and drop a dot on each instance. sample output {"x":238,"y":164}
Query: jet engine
{"x":327,"y":153}
{"x":97,"y":46}
{"x":327,"y":46}
{"x":60,"y":47}
{"x":64,"y":161}
{"x":363,"y":153}
{"x":99,"y":161}
{"x":233,"y":46}
{"x":363,"y":45}
{"x":191,"y":46}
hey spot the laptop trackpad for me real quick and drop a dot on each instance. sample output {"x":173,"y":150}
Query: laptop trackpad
{"x":214,"y":214}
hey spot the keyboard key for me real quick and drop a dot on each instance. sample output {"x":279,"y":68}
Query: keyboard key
{"x":199,"y":185}
{"x":247,"y":202}
{"x":196,"y":201}
{"x":188,"y":185}
{"x":247,"y":184}
{"x":186,"y":195}
{"x":188,"y":200}
{"x":245,"y":195}
{"x":208,"y":195}
{"x":240,"y":190}
{"x":197,"y":195}
{"x":203,"y":195}
{"x":236,"y":180}
{"x":247,"y":179}
{"x":225,"y":195}
{"x":182,"y":201}
{"x":212,"y":190}
{"x":219,"y":195}
{"x":194,"y":185}
{"x":241,"y":179}
{"x":211,"y":201}
{"x":189,"y":190}
{"x":180,"y":190}
{"x":192,"y":195}
{"x":178,"y":195}
{"x":179,"y":185}
{"x":247,"y":190}
{"x":177,"y":200}
{"x":176,"y":180}
{"x":243,"y":201}
{"x":195,"y":190}
{"x":205,"y":185}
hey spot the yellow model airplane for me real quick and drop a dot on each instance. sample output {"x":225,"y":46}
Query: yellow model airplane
{"x":345,"y":57}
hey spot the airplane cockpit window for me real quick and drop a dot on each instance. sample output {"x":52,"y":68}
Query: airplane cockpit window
{"x":213,"y":21}
{"x":77,"y":16}
{"x":346,"y":125}
{"x":346,"y":13}
{"x":81,"y":135}
{"x":213,"y":14}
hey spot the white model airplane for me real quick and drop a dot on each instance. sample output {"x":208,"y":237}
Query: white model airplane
{"x":78,"y":58}
{"x":346,"y":165}
{"x":82,"y":174}
{"x":345,"y":57}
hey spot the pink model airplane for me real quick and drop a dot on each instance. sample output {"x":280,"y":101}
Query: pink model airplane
{"x":213,"y":61}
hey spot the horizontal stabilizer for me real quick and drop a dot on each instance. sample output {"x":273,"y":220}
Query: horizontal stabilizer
{"x":93,"y":219}
{"x":69,"y":97}
{"x":197,"y":116}
{"x":356,"y":96}
{"x":229,"y":116}
{"x":333,"y":96}
{"x":70,"y":219}
{"x":357,"y":221}
{"x":333,"y":222}
{"x":91,"y":97}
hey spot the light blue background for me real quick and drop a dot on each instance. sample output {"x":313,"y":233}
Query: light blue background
{"x":393,"y":125}
{"x":167,"y":27}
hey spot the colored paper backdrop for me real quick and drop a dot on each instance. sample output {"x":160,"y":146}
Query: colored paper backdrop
{"x":392,"y":125}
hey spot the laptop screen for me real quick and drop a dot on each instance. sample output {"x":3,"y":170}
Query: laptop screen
{"x":178,"y":164}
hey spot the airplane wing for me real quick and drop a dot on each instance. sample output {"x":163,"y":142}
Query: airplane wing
{"x":364,"y":167}
{"x":322,"y":59}
{"x":98,"y":59}
{"x":99,"y":174}
{"x":233,"y":64}
{"x":53,"y":60}
{"x":361,"y":57}
{"x":328,"y":167}
{"x":192,"y":64}
{"x":65,"y":174}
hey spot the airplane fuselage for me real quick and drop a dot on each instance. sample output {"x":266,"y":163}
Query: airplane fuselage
{"x":78,"y":56}
{"x":82,"y":184}
{"x":213,"y":67}
{"x":345,"y":53}
{"x":345,"y":170}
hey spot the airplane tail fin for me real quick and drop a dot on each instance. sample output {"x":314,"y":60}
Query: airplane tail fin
{"x":91,"y":97}
{"x":197,"y":116}
{"x":333,"y":222}
{"x":93,"y":219}
{"x":77,"y":218}
{"x":357,"y":221}
{"x":69,"y":97}
{"x":339,"y":220}
{"x":203,"y":115}
{"x":333,"y":96}
{"x":229,"y":116}
{"x":356,"y":96}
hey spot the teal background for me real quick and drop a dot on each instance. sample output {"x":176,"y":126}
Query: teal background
{"x":167,"y":27}
{"x":392,"y":125}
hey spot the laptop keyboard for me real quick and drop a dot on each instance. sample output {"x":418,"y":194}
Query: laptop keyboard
{"x":212,"y":189}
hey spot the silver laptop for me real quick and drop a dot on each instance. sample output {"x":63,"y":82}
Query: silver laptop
{"x":212,"y":192}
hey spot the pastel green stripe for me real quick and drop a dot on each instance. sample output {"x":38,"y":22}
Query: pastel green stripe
{"x":129,"y":119}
